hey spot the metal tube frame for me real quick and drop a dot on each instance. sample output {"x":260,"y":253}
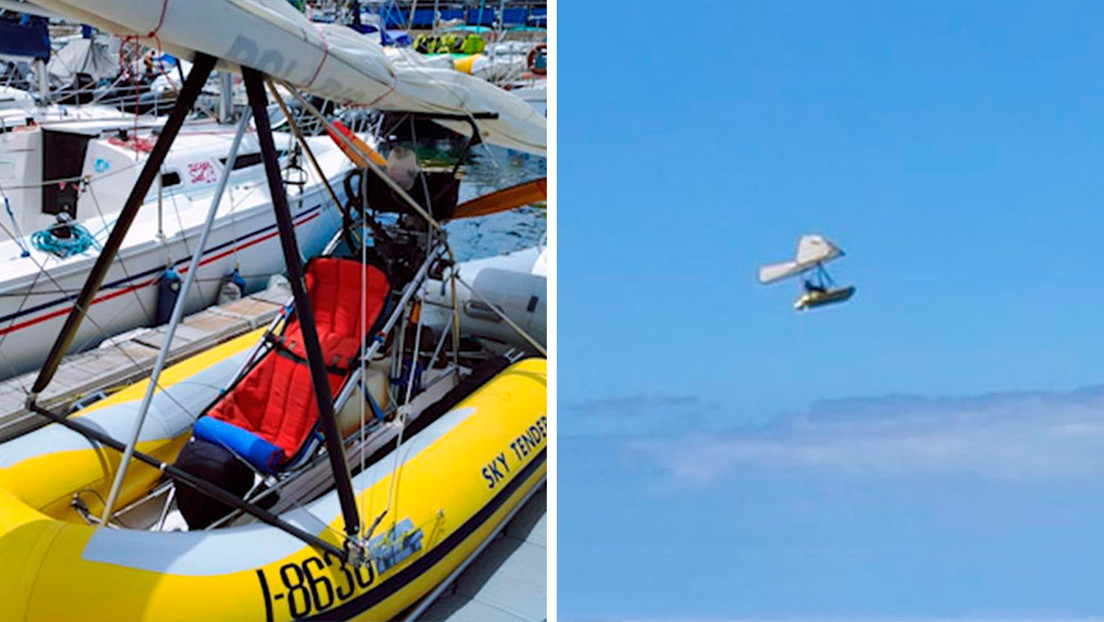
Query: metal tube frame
{"x":190,"y":480}
{"x":377,"y":340}
{"x":174,"y":321}
{"x":371,"y":165}
{"x":354,"y":550}
{"x":354,"y":382}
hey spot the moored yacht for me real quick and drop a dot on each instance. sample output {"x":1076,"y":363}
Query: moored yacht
{"x":63,"y":185}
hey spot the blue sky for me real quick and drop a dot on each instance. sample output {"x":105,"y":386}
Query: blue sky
{"x":721,"y":456}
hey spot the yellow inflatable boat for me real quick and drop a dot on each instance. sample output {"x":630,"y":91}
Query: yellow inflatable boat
{"x":439,"y":495}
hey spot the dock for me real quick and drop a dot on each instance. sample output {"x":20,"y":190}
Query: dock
{"x":508,"y":581}
{"x":123,"y":360}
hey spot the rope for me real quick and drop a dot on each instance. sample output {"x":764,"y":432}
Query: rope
{"x":325,"y":55}
{"x":160,"y":21}
{"x":43,"y":272}
{"x":371,"y":164}
{"x":78,"y":242}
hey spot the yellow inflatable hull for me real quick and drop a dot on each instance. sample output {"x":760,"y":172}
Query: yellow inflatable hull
{"x":441,"y":495}
{"x":45,"y":479}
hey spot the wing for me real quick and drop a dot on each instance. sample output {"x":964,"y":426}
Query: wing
{"x":813,"y":249}
{"x":778,"y":271}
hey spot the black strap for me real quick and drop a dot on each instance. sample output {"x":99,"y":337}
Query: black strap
{"x":279,"y":343}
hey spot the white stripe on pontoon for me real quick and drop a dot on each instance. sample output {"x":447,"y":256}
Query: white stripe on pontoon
{"x":237,"y":549}
{"x":173,"y":410}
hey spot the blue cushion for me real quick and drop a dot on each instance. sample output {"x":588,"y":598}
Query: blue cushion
{"x":257,"y":451}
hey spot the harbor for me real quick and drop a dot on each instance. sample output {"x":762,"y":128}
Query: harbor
{"x":240,"y":297}
{"x":94,"y":373}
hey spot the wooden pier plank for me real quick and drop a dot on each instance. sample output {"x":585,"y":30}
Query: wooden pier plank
{"x":132,"y":357}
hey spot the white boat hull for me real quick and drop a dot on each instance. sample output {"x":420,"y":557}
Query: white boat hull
{"x":515,"y":283}
{"x":33,"y":308}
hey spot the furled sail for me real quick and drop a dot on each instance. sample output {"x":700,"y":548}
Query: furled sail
{"x":329,"y":60}
{"x":812,"y":249}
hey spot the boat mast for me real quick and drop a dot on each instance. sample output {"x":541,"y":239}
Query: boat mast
{"x":226,"y":97}
{"x":43,"y":80}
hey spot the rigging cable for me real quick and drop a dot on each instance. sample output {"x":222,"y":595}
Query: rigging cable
{"x":23,"y":252}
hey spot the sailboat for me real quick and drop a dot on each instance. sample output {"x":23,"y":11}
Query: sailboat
{"x":371,"y":473}
{"x":64,"y":173}
{"x":66,"y":182}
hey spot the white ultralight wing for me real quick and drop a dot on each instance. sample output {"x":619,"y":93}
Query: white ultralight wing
{"x":779,"y":271}
{"x":329,"y":60}
{"x":811,"y":250}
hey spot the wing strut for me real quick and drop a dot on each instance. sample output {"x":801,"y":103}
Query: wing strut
{"x":254,"y":88}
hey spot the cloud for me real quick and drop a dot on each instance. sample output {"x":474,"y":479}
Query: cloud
{"x":638,"y":415}
{"x":631,"y":405}
{"x":1009,"y":436}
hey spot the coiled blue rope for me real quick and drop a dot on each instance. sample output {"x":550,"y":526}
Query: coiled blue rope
{"x":78,"y":242}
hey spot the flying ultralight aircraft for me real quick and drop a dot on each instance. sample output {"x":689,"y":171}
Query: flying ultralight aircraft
{"x":817,"y":287}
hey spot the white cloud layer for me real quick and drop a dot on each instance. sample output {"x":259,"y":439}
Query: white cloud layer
{"x":1011,"y":436}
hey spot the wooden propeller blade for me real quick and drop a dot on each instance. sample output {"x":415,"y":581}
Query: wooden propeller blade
{"x":505,"y":199}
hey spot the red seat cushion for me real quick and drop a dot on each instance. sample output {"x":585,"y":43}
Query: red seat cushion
{"x":276,"y":399}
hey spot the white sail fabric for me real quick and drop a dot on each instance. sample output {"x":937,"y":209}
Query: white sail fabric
{"x":812,"y":249}
{"x":330,"y":60}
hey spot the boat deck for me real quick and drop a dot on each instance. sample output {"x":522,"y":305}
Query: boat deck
{"x":132,"y":357}
{"x":508,"y":581}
